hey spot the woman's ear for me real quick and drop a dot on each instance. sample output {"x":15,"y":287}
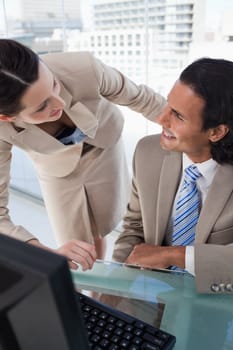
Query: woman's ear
{"x":6,"y":118}
{"x":217,"y":133}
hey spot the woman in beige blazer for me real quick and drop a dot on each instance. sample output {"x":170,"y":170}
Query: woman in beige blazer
{"x":83,"y":178}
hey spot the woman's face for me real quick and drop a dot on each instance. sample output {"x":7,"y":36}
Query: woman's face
{"x":41,"y":100}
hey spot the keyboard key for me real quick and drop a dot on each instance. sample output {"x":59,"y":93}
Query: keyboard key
{"x":95,"y":338}
{"x":95,"y":312}
{"x":163,"y":335}
{"x":110,"y":327}
{"x":87,"y":308}
{"x":93,"y":319}
{"x":120,"y":323}
{"x":124,"y":344}
{"x":89,"y":325}
{"x":101,"y":323}
{"x":147,"y":346}
{"x":129,"y":328}
{"x":103,"y":316}
{"x":97,"y":330}
{"x":127,"y":336}
{"x":104,"y":343}
{"x":118,"y":331}
{"x":138,"y":331}
{"x":151,"y":330}
{"x":115,"y":339}
{"x":106,"y":334}
{"x":114,"y":347}
{"x":139,"y":324}
{"x":152,"y":339}
{"x":134,"y":347}
{"x":137,"y":340}
{"x":111,"y":319}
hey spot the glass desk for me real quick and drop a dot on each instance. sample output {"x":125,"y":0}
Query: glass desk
{"x":167,"y":300}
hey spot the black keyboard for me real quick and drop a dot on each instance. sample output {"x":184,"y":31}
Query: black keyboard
{"x":108,"y":328}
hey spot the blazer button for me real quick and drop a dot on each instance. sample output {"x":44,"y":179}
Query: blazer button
{"x":222,"y":287}
{"x":229,"y":287}
{"x":215,"y":288}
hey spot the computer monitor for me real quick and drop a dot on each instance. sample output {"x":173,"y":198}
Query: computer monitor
{"x":38,"y":309}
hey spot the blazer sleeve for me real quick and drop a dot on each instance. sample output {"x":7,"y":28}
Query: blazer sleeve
{"x":6,"y":225}
{"x":133,"y":232}
{"x":214,"y":268}
{"x":88,"y":80}
{"x":117,"y":88}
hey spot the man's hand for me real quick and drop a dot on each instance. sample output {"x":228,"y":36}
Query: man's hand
{"x":77,"y":252}
{"x":152,"y":256}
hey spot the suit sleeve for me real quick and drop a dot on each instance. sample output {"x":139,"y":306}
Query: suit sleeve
{"x":133,"y":232}
{"x":214,"y":268}
{"x":6,"y":225}
{"x":117,"y":88}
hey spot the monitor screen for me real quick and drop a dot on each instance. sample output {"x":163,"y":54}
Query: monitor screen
{"x":38,"y":309}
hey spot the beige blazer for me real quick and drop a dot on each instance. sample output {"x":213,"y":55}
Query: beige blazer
{"x":156,"y":177}
{"x":85,"y":192}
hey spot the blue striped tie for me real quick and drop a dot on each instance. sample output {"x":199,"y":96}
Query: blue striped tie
{"x":187,"y":209}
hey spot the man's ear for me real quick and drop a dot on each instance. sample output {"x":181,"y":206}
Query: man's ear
{"x":6,"y":118}
{"x":217,"y":133}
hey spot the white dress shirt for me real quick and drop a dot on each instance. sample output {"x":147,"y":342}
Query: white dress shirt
{"x":208,"y":170}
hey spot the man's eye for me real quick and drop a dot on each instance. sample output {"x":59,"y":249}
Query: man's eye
{"x":178,"y":116}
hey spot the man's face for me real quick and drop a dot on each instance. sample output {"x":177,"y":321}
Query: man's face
{"x":181,"y":120}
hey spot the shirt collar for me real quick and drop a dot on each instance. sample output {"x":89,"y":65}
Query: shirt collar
{"x":207,"y":168}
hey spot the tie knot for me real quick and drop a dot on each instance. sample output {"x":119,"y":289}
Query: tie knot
{"x":191,"y":173}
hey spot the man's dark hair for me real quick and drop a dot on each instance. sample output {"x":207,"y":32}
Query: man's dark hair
{"x":212,"y":80}
{"x":19,"y":67}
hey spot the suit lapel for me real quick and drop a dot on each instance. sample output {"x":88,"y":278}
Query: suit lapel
{"x":80,"y":114}
{"x":33,"y":138}
{"x":84,"y":119}
{"x":169,"y":180}
{"x":219,"y":192}
{"x":65,"y":95}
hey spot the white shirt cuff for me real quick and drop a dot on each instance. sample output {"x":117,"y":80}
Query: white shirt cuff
{"x":189,"y":259}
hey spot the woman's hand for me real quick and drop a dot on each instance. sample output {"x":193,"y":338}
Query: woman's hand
{"x":77,"y":252}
